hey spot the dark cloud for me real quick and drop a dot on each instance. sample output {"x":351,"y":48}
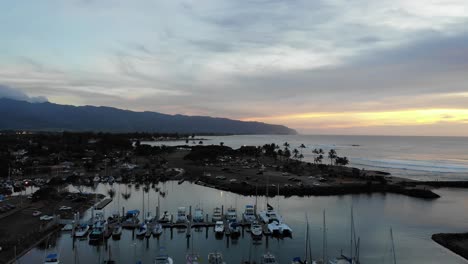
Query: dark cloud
{"x":11,"y":93}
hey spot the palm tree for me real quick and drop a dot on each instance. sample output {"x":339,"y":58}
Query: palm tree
{"x":332,"y":155}
{"x":343,"y":161}
{"x":302,"y":146}
{"x":286,"y":145}
{"x":295,"y":153}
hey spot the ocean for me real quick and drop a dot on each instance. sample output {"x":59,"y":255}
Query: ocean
{"x":419,"y":158}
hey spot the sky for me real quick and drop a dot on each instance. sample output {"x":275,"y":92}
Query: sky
{"x":321,"y":67}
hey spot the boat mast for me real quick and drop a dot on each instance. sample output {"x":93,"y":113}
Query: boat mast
{"x":256,"y":196}
{"x":306,"y":238}
{"x":351,"y":237}
{"x":278,"y":198}
{"x":393,"y":246}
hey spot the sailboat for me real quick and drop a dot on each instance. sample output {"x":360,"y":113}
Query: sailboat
{"x":308,"y":251}
{"x":141,"y":231}
{"x":165,"y":218}
{"x":256,"y":230}
{"x":354,"y":247}
{"x":157,"y":229}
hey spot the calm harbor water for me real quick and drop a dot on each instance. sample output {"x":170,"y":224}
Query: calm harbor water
{"x":423,"y":158}
{"x":413,"y":222}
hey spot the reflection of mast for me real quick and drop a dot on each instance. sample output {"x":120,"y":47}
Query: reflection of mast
{"x":393,"y":246}
{"x":324,"y":242}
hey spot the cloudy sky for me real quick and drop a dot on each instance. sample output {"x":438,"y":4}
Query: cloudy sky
{"x":322,"y":67}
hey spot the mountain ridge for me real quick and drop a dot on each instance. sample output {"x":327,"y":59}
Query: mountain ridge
{"x":47,"y":116}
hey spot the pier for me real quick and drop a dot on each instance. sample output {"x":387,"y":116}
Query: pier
{"x":103,"y":204}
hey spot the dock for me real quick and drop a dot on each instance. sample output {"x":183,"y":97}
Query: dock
{"x":103,"y":204}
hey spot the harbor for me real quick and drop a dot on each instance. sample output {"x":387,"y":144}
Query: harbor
{"x":180,"y":238}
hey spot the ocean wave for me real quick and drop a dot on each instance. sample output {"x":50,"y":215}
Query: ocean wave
{"x":415,"y":165}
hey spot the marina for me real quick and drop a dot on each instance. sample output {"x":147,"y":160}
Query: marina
{"x":173,"y":237}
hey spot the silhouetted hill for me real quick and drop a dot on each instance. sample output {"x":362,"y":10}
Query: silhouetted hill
{"x":47,"y":116}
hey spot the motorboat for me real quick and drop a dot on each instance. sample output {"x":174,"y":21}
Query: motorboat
{"x":249,"y":214}
{"x":219,"y":227}
{"x":198,"y":215}
{"x":256,"y":230}
{"x":234,"y":229}
{"x":217,"y":215}
{"x":165,"y":218}
{"x":192,"y":258}
{"x":231,"y":214}
{"x":181,"y":215}
{"x":81,"y":230}
{"x":52,"y":258}
{"x":117,"y":231}
{"x":281,"y":229}
{"x":157,"y":229}
{"x":141,"y":231}
{"x":97,"y":234}
{"x":268,"y":258}
{"x":215,"y":258}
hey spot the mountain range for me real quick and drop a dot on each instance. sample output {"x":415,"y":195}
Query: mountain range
{"x":46,"y":116}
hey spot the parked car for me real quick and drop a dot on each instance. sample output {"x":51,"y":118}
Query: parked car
{"x":36,"y":213}
{"x":46,"y":218}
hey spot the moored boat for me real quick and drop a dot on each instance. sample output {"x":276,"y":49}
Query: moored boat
{"x":81,"y":230}
{"x":131,"y":219}
{"x":141,"y":231}
{"x":219,"y":228}
{"x":157,"y":229}
{"x":181,"y":215}
{"x":198,"y":215}
{"x":256,"y":230}
{"x":165,"y":218}
{"x":234,"y":229}
{"x":231,"y":214}
{"x":217,"y":215}
{"x":249,"y":214}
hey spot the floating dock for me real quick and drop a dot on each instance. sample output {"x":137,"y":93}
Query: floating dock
{"x":103,"y":204}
